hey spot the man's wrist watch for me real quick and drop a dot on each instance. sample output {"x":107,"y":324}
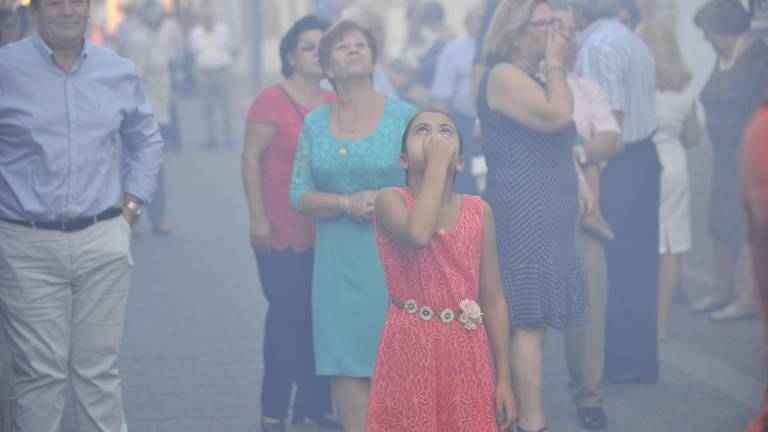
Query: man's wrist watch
{"x":133,"y":206}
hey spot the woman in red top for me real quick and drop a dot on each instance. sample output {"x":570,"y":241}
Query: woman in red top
{"x":754,"y":192}
{"x":281,"y":238}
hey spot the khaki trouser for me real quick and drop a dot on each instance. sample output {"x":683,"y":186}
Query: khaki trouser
{"x":62,"y":305}
{"x":585,"y":346}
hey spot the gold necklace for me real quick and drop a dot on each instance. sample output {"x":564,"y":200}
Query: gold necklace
{"x":348,"y":133}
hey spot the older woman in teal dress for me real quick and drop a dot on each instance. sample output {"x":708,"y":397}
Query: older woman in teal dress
{"x":347,"y":152}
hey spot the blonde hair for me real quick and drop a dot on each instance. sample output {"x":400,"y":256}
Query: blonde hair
{"x":507,"y":22}
{"x":671,"y":72}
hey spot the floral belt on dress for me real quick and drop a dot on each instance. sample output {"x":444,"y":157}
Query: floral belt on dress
{"x":469,"y":315}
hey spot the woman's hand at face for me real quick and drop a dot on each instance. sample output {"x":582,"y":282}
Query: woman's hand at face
{"x":557,"y":49}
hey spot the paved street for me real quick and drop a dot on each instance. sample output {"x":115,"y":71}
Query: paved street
{"x":191,"y":358}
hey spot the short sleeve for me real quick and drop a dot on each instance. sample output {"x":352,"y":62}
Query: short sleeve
{"x":603,"y":119}
{"x":266,"y":107}
{"x":301,"y":179}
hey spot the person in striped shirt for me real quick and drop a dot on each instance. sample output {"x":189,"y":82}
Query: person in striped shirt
{"x":614,"y":57}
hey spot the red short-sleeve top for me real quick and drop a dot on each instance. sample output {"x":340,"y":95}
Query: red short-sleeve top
{"x":289,"y":228}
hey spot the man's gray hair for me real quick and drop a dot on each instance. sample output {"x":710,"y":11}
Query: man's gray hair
{"x":596,"y":9}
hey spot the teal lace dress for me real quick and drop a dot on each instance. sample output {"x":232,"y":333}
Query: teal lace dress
{"x":349,"y":294}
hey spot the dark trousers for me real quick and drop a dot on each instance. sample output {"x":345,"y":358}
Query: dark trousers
{"x":631,"y":193}
{"x":286,"y":278}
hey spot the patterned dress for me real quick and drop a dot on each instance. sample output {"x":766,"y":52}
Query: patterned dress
{"x":431,"y":375}
{"x":729,"y":99}
{"x":532,"y":187}
{"x":349,"y":295}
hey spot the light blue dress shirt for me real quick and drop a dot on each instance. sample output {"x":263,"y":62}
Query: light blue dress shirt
{"x":620,"y":62}
{"x":453,"y":75}
{"x":72,"y":142}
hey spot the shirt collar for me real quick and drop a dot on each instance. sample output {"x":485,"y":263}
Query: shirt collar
{"x":597,"y":26}
{"x":47,"y":53}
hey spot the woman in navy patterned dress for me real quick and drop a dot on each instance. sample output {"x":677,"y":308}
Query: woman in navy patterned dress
{"x":532,"y":186}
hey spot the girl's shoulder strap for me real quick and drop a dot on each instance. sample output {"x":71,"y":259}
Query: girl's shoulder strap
{"x":406,"y":194}
{"x":474,"y":209}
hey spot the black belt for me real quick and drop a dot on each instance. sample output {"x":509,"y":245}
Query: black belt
{"x":70,"y":225}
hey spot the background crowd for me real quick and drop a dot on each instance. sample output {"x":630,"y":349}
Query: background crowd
{"x":576,"y":118}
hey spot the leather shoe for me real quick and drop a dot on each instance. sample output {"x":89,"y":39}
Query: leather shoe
{"x":272,"y":426}
{"x":592,"y":418}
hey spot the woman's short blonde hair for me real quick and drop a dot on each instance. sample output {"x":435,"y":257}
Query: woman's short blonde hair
{"x":508,"y":21}
{"x":671,"y":72}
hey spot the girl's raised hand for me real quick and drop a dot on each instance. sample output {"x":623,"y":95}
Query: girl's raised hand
{"x":506,"y":407}
{"x":440,"y":148}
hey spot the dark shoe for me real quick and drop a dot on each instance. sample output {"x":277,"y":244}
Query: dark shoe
{"x":272,"y":427}
{"x":320,"y":421}
{"x":592,"y":418}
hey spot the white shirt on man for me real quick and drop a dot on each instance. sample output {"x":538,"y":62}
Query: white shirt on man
{"x":213,"y":48}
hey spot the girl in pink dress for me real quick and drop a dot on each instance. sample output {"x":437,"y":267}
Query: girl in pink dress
{"x":434,"y":369}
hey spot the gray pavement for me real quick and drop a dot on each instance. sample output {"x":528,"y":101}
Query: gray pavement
{"x":191,"y":357}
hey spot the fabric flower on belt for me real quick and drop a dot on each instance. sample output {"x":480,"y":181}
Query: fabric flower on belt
{"x":471,"y":314}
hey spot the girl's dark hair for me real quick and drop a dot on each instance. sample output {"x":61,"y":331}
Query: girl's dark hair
{"x":290,"y":41}
{"x":404,"y":139}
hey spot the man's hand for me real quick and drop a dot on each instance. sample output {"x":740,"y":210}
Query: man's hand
{"x":130,"y":216}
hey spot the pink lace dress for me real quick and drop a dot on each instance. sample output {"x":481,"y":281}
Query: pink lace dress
{"x":432,"y":373}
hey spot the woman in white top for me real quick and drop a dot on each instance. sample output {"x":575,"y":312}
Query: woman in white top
{"x":678,"y":129}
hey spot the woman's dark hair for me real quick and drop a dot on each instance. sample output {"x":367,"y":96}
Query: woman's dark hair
{"x":431,"y":12}
{"x":290,"y":41}
{"x":633,"y":10}
{"x":724,"y":17}
{"x":336,"y":33}
{"x":404,"y":139}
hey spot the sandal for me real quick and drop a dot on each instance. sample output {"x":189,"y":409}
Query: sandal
{"x":709,"y":303}
{"x":598,"y":227}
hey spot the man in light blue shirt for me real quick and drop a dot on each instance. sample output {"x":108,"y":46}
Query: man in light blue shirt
{"x":611,"y":55}
{"x":451,"y":91}
{"x":80,"y":152}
